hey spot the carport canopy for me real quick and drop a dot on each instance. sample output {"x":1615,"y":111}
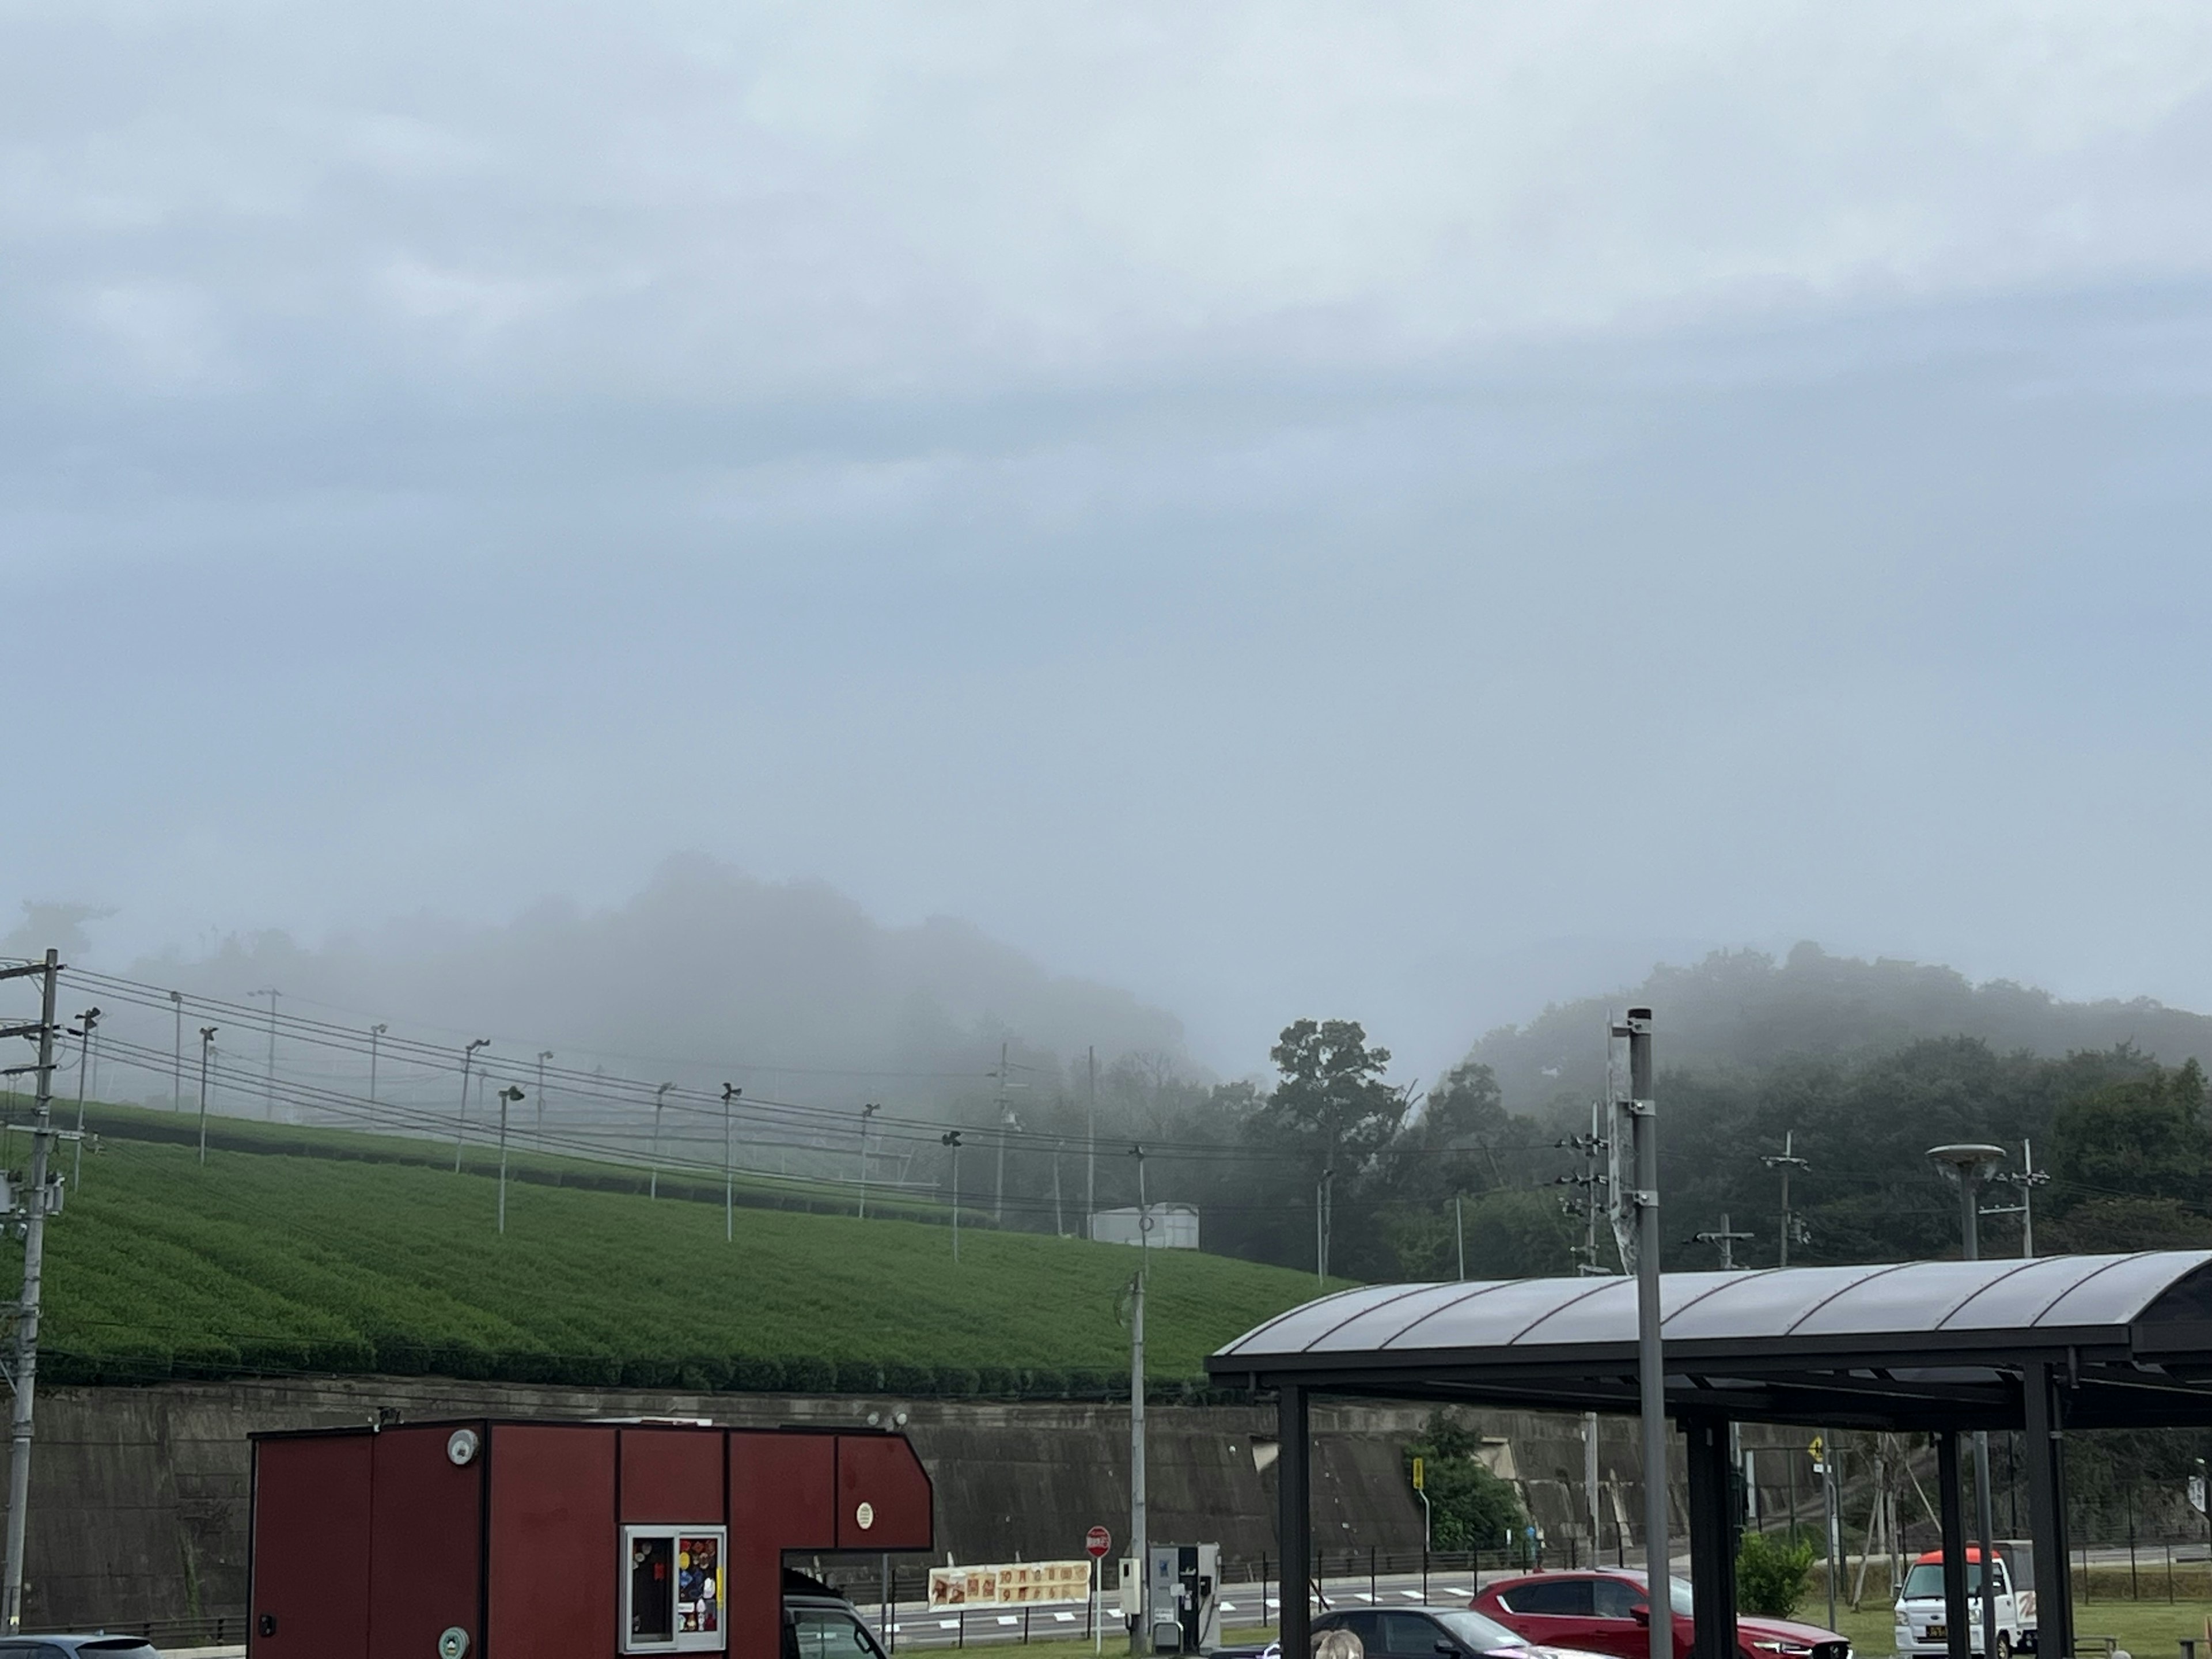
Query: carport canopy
{"x":2037,"y":1345}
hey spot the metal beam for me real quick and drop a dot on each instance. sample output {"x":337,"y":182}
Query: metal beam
{"x":1712,"y":1541}
{"x":1958,"y":1638}
{"x":2046,"y":1512}
{"x":1293,"y":1518}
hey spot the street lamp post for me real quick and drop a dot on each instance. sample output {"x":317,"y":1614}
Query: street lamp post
{"x":731,"y":1093}
{"x":659,"y":1103}
{"x":207,"y":1050}
{"x":508,"y":1096}
{"x":375,"y":1036}
{"x":867,"y":1112}
{"x":951,"y":1138}
{"x":88,"y":1022}
{"x":1970,"y":1165}
{"x":461,"y":1128}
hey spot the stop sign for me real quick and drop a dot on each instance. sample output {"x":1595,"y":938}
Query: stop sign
{"x":1098,"y":1540}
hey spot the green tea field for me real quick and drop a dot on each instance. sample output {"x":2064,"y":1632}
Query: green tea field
{"x":258,"y":1262}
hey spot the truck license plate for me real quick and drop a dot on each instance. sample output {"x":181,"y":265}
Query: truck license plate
{"x":1937,"y":1632}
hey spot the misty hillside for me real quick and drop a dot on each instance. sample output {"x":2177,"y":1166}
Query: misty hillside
{"x":705,"y":974}
{"x":1744,"y":1009}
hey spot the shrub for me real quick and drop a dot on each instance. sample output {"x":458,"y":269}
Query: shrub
{"x":810,"y":1375}
{"x":1470,"y":1507}
{"x":1770,"y":1575}
{"x":900,"y":1377}
{"x":759,"y":1374}
{"x":859,"y":1377}
{"x":956,"y":1381}
{"x":999,"y":1380}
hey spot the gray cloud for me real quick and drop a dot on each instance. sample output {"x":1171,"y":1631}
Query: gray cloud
{"x":1293,"y":511}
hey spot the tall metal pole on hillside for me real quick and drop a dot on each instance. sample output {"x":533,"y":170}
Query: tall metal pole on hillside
{"x":461,"y":1127}
{"x":1651,"y":1366}
{"x":88,"y":1022}
{"x":36,"y":1199}
{"x":544,"y":1054}
{"x":951,"y":1138}
{"x":1140,"y":1635}
{"x":730,"y":1093}
{"x":1090,"y":1153}
{"x":508,"y":1096}
{"x":659,"y":1102}
{"x":867,"y":1112}
{"x":1786,"y":1160}
{"x":207,"y":1052}
{"x":269,"y":1097}
{"x":375,"y":1036}
{"x":177,"y":1058}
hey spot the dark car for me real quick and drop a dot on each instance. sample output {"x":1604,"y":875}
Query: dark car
{"x":68,"y":1647}
{"x":1608,"y":1612}
{"x":820,"y":1623}
{"x":1428,"y":1633}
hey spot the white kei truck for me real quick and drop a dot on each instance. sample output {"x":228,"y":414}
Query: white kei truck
{"x":1922,"y":1629}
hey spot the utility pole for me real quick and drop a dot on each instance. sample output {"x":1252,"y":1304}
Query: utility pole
{"x":461,"y":1128}
{"x":176,"y":1059}
{"x":1140,"y":1635}
{"x":375,"y":1036}
{"x":1786,"y":1161}
{"x":1323,"y":1190}
{"x":508,"y":1096}
{"x":1091,"y":1155}
{"x":88,"y":1022}
{"x":1642,"y":1111}
{"x":951,"y":1138}
{"x":660,"y":1101}
{"x":41,"y":1196}
{"x":269,"y":1098}
{"x":1459,"y":1234}
{"x":544,"y":1054}
{"x":1006,"y":1124}
{"x":207,"y":1053}
{"x":1726,"y":1239}
{"x":867,"y":1112}
{"x":729,"y":1094}
{"x":2027,"y":1179}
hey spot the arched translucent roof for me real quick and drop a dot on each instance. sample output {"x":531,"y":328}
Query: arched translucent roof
{"x":1953,"y":1324}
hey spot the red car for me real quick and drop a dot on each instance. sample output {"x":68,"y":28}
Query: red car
{"x":1607,"y":1611}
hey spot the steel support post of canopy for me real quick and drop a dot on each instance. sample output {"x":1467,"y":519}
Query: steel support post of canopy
{"x":2046,"y":1513}
{"x":1712,"y":1541}
{"x":1958,"y":1638}
{"x":1293,"y":1521}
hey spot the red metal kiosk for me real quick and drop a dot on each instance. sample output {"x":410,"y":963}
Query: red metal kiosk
{"x":481,"y":1539}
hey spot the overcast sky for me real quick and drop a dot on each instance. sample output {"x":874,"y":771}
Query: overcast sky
{"x":1396,"y":511}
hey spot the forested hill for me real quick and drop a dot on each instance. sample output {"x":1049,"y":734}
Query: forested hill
{"x":1745,"y":1010}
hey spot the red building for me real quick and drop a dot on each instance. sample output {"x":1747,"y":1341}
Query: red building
{"x":486,"y":1539}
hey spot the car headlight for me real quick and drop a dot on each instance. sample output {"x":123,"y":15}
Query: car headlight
{"x":1776,"y":1645}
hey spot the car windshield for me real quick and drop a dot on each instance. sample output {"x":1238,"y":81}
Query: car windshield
{"x":1925,"y":1582}
{"x":1477,"y":1632}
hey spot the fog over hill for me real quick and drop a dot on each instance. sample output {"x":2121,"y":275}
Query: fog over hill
{"x":705,"y":974}
{"x":1746,"y":1009}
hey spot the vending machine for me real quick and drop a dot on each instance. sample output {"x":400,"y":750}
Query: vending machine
{"x":1186,"y":1597}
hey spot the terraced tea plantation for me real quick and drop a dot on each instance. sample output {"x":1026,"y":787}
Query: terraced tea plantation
{"x":263,"y":1262}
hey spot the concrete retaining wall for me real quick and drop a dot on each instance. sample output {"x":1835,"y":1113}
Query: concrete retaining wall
{"x":139,"y":1496}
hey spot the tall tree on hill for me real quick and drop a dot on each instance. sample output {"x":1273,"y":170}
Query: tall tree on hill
{"x":1332,"y":1102}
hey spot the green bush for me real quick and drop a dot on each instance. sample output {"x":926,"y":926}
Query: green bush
{"x":757,"y":1375}
{"x":1770,"y":1575}
{"x":1469,"y":1507}
{"x":859,"y":1376}
{"x":809,"y":1375}
{"x":900,"y":1377}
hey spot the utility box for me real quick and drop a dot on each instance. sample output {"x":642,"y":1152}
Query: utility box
{"x":482,"y":1538}
{"x":1186,"y":1597}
